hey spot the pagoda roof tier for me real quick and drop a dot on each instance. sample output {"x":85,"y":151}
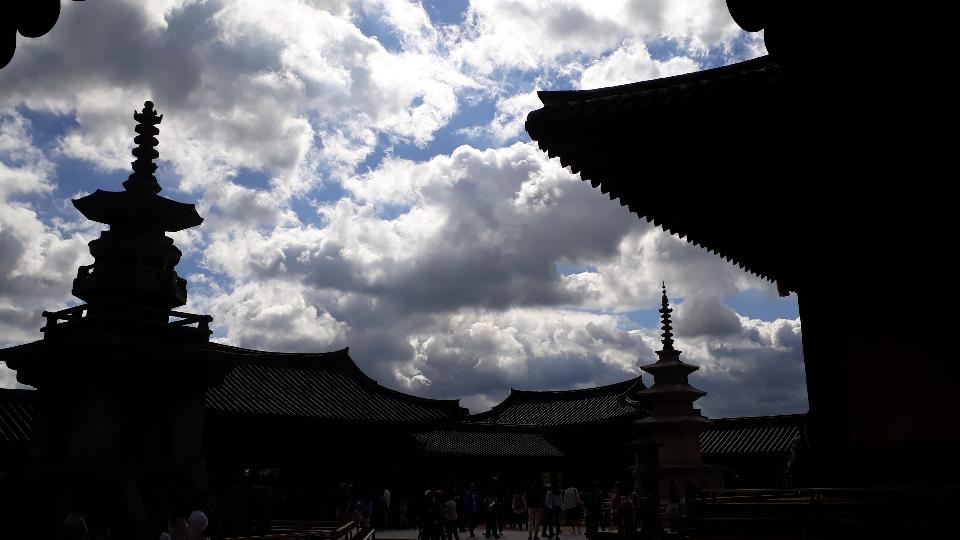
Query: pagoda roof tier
{"x":717,"y":132}
{"x":323,"y":386}
{"x":552,"y":408}
{"x":134,"y":207}
{"x":674,"y":422}
{"x":663,"y":389}
{"x":669,"y":366}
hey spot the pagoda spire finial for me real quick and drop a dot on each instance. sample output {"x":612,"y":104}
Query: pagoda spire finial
{"x":142,"y":178}
{"x":665,"y":310}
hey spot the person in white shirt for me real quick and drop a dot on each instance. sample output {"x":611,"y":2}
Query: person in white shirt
{"x":552,"y":505}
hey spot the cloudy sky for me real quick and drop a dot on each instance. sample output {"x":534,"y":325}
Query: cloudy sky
{"x":366,"y":182}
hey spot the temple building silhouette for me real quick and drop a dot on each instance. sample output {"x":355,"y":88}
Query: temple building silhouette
{"x":135,"y":407}
{"x":801,"y":168}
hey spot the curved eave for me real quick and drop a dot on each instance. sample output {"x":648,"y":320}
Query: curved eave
{"x":554,"y":97}
{"x":113,"y":207}
{"x":622,"y":387}
{"x":673,"y":422}
{"x":670,"y":389}
{"x":340,"y":358}
{"x":728,"y":117}
{"x":12,"y":356}
{"x":575,"y":393}
{"x":668,"y":366}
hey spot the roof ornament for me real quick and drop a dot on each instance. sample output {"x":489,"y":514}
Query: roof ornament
{"x":142,"y":179}
{"x":665,"y":310}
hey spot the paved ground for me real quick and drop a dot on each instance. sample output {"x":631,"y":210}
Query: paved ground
{"x":508,"y":534}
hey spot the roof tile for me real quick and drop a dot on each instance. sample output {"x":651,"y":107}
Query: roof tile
{"x":751,"y":435}
{"x":557,"y":408}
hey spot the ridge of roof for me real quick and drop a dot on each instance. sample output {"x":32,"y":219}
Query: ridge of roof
{"x":553,"y":97}
{"x":467,"y":424}
{"x":22,"y":392}
{"x":728,"y":422}
{"x":518,"y":397}
{"x":574,"y":393}
{"x":338,"y":359}
{"x":233,"y":349}
{"x":332,"y":359}
{"x":452,"y":403}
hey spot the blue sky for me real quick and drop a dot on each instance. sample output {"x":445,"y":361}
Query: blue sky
{"x":366,"y":182}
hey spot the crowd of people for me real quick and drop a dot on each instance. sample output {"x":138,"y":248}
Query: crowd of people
{"x":542,"y":510}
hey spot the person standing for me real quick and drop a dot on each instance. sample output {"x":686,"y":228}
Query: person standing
{"x":403,"y":507}
{"x":571,"y":507}
{"x":491,"y":508}
{"x":550,"y":503}
{"x":534,"y":511}
{"x":472,"y":507}
{"x":384,"y":518}
{"x":626,"y":514}
{"x":431,"y":522}
{"x":462,"y":509}
{"x":547,"y":521}
{"x":556,"y":508}
{"x":364,"y":511}
{"x":450,"y":518}
{"x":673,"y":511}
{"x":519,"y":507}
{"x":593,"y":505}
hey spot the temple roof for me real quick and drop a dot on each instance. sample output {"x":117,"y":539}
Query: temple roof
{"x":728,"y":436}
{"x":324,"y":386}
{"x":475,"y":442}
{"x":16,"y":415}
{"x":655,"y":93}
{"x":554,"y":408}
{"x":693,"y":154}
{"x":751,"y":435}
{"x":121,"y":207}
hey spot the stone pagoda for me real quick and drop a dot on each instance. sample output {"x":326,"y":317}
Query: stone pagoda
{"x":674,"y":423}
{"x":133,"y":281}
{"x":119,"y":421}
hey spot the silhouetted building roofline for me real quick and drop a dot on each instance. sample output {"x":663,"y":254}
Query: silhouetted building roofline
{"x":620,"y":402}
{"x":326,"y":386}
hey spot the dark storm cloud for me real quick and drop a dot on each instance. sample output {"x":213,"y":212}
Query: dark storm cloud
{"x":705,"y":315}
{"x":760,"y":371}
{"x":101,"y":43}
